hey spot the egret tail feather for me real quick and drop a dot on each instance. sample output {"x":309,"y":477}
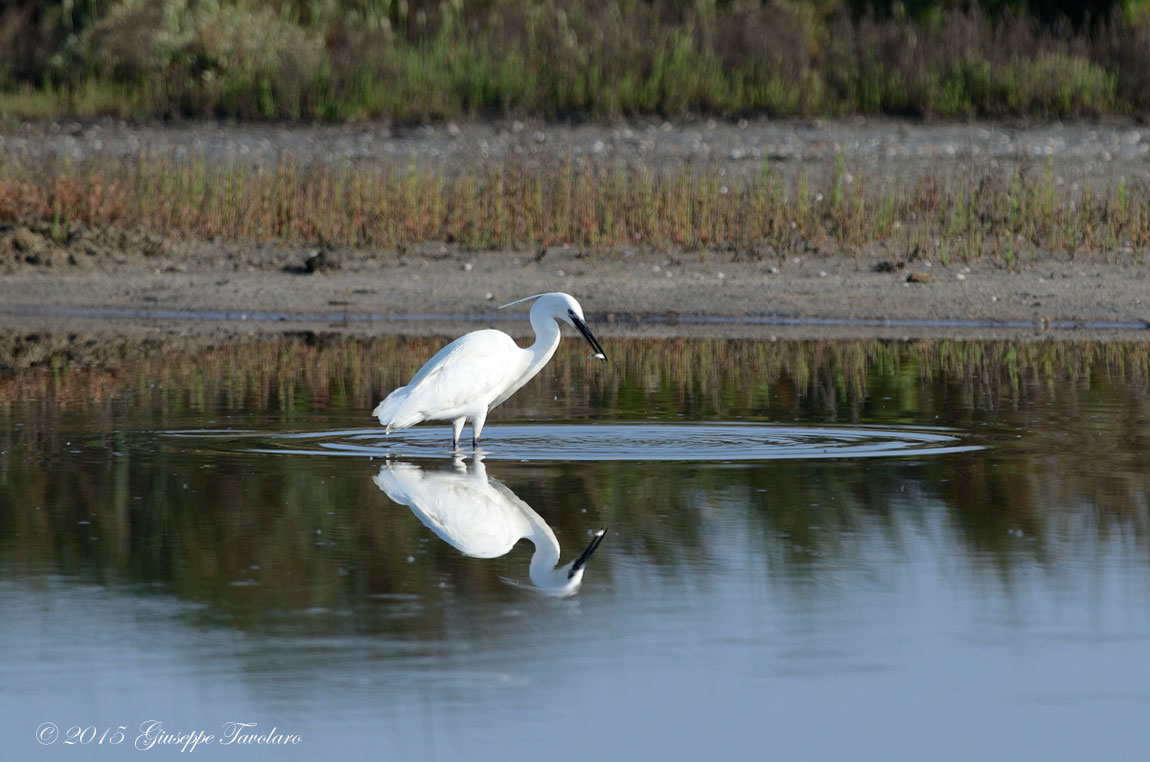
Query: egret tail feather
{"x":391,"y":411}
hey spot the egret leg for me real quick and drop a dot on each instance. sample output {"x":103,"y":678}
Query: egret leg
{"x":477,"y":422}
{"x":456,"y":430}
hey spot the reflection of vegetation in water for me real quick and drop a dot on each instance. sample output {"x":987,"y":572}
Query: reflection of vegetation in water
{"x":1067,"y":425}
{"x":692,"y":378}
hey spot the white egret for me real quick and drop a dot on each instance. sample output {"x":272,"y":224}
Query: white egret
{"x":482,"y":518}
{"x":479,"y":370}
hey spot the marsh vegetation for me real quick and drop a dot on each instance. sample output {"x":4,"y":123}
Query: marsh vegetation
{"x":1015,"y":212}
{"x":338,"y":60}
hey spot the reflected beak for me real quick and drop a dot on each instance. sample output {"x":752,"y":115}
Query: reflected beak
{"x":589,"y":551}
{"x":583,"y":329}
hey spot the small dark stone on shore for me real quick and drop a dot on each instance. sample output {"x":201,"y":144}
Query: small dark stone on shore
{"x":317,"y":261}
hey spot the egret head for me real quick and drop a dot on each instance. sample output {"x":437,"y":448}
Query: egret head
{"x":564,"y":581}
{"x":564,"y":308}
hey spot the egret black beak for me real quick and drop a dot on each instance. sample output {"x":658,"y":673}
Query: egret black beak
{"x":583,"y":329}
{"x":589,"y":551}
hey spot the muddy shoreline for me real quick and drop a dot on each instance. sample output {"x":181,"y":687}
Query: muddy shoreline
{"x":132,"y":284}
{"x":439,"y":291}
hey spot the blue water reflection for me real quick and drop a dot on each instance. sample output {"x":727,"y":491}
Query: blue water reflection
{"x":980,"y":590}
{"x":621,"y":441}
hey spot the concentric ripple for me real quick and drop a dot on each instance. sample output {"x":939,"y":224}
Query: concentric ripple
{"x":609,"y":441}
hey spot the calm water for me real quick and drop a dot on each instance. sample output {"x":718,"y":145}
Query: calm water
{"x":922,"y":550}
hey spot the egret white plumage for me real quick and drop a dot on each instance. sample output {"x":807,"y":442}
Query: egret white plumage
{"x":482,"y":518}
{"x":481,"y":369}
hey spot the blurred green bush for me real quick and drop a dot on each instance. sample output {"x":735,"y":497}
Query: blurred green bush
{"x":417,"y":60}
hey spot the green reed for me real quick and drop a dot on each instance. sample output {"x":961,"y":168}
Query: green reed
{"x":509,"y":204}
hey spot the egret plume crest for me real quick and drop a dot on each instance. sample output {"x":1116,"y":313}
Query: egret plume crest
{"x":524,"y":299}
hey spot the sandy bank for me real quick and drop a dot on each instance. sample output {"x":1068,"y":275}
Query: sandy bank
{"x":198,"y":287}
{"x":714,"y":294}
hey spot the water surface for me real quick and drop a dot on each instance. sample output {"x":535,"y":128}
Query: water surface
{"x":929,"y":549}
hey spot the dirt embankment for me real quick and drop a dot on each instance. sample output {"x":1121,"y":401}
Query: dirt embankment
{"x":91,"y":276}
{"x":85,"y":273}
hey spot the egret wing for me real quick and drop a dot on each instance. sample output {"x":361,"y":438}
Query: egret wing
{"x":471,"y":370}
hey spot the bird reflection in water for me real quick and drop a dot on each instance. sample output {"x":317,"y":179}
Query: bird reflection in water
{"x":482,"y":518}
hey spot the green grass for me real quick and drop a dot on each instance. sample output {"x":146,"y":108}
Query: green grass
{"x":508,"y":204}
{"x":417,"y":62}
